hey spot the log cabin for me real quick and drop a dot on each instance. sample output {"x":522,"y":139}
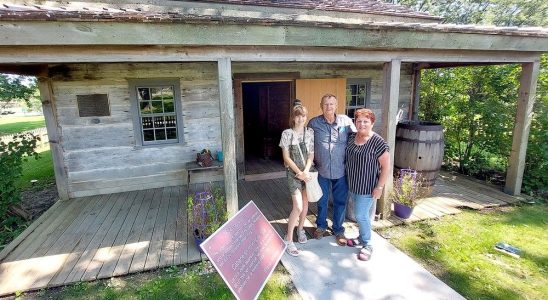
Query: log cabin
{"x":132,"y":90}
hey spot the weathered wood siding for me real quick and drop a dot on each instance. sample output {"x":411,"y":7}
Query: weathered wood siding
{"x":103,"y":157}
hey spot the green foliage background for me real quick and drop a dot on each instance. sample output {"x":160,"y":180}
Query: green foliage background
{"x":477,"y":105}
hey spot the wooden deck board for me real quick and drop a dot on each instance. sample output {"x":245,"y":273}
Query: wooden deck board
{"x":182,"y":251}
{"x":155,"y":248}
{"x":85,"y":237}
{"x":58,"y":205}
{"x":168,"y":240}
{"x":132,"y":242}
{"x":35,"y":239}
{"x":107,"y":269}
{"x":105,"y":218}
{"x":139,"y":258}
{"x":102,"y":253}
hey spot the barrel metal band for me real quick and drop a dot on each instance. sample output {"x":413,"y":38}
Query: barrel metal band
{"x":421,"y":142}
{"x":420,"y":171}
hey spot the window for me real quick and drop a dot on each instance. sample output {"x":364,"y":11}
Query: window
{"x":358,"y":95}
{"x":158,"y":116}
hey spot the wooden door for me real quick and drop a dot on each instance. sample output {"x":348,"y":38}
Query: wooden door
{"x":310,"y":92}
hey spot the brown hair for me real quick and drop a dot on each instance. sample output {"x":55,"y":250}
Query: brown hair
{"x":365,"y":112}
{"x":298,"y":110}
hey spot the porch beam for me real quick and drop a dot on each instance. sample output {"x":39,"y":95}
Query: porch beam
{"x":21,"y":55}
{"x":390,"y":93}
{"x":89,"y":33}
{"x":228,"y":133}
{"x":415,"y":93}
{"x":50,"y":116}
{"x":520,"y":135}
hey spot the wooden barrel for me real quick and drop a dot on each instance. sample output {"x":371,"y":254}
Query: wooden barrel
{"x":419,"y":146}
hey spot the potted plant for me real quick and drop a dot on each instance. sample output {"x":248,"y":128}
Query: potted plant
{"x":206,"y":213}
{"x":408,"y":189}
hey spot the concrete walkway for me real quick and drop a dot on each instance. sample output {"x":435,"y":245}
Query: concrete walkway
{"x":327,"y":271}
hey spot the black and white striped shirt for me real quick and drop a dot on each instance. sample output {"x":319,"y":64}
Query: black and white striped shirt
{"x":362,"y":164}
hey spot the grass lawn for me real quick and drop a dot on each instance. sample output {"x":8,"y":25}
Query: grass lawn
{"x":197,"y":281}
{"x":11,"y":124}
{"x":459,"y":250}
{"x":40,"y":169}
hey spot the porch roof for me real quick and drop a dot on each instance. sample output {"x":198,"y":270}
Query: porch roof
{"x":226,"y":15}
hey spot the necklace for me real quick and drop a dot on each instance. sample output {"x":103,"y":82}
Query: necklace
{"x":360,"y":140}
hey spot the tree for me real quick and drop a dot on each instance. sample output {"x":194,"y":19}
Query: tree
{"x":490,"y":12}
{"x":477,"y":105}
{"x":16,"y":88}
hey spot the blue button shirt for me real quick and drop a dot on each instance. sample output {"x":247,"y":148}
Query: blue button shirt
{"x":330,"y":144}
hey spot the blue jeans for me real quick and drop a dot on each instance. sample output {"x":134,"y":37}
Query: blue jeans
{"x":364,"y":209}
{"x":339,"y":187}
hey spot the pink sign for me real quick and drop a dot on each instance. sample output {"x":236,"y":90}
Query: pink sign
{"x":245,"y":251}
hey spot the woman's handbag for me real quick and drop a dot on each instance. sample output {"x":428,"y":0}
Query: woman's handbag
{"x":313,"y":188}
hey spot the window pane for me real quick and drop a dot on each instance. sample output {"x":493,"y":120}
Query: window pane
{"x":160,"y":134}
{"x":167,"y":93}
{"x":147,"y":122}
{"x":143,"y":93}
{"x":145,"y":107}
{"x":156,"y":93}
{"x":353,"y":89}
{"x":361,"y":95}
{"x":171,"y":121}
{"x":348,"y":98}
{"x":168,"y":105}
{"x":157,"y":107}
{"x":171,"y":133}
{"x":350,"y":113}
{"x":148,"y":135}
{"x":159,"y":122}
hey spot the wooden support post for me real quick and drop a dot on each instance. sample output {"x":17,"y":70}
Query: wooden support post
{"x":415,"y":94}
{"x":520,"y":135}
{"x":390,"y":92}
{"x":228,"y":133}
{"x":54,"y":136}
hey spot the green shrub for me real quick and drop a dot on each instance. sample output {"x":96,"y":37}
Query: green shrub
{"x":12,"y":156}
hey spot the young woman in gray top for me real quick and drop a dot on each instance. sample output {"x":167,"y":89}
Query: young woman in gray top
{"x":297,"y":145}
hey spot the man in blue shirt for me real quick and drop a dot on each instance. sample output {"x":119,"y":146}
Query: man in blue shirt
{"x":331,"y":133}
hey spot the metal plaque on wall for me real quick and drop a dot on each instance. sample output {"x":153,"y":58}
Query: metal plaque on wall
{"x":93,"y":105}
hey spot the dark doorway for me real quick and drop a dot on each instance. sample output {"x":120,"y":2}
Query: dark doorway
{"x":266,"y":115}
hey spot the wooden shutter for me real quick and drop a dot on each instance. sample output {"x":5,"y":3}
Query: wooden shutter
{"x":310,"y":92}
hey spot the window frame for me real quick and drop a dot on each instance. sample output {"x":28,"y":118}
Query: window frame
{"x":136,"y":112}
{"x":367,"y":104}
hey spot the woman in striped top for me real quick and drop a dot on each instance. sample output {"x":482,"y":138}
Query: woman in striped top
{"x":367,"y":167}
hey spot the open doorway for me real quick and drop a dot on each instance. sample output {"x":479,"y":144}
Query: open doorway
{"x":266,"y":107}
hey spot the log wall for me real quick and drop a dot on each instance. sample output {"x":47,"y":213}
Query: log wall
{"x":104,"y":158}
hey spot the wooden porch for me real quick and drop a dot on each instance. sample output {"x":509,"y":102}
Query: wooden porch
{"x":109,"y":235}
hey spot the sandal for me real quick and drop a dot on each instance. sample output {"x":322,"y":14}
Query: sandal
{"x":318,"y":233}
{"x":365,"y":253}
{"x":301,"y":236}
{"x":292,"y":249}
{"x":341,"y":240}
{"x":354,"y":242}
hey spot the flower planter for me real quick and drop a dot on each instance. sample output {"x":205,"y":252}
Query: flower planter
{"x":199,"y":241}
{"x":402,"y":211}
